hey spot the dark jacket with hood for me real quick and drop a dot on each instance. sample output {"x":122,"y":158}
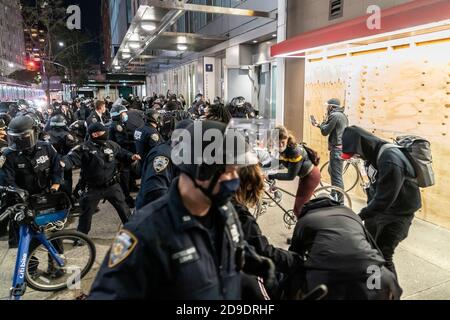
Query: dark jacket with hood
{"x":337,"y":249}
{"x":285,"y":261}
{"x":334,"y":127}
{"x":393,"y":190}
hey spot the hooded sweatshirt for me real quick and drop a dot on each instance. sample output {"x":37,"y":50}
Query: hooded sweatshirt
{"x":334,"y":127}
{"x":393,"y":190}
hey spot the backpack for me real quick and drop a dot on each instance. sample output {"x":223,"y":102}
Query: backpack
{"x":312,"y":155}
{"x":418,"y":152}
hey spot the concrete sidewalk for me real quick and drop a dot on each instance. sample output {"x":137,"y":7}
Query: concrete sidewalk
{"x":422,"y":260}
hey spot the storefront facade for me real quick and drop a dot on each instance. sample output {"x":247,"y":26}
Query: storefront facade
{"x":392,"y":81}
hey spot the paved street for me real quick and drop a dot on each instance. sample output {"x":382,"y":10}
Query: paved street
{"x":423,"y":260}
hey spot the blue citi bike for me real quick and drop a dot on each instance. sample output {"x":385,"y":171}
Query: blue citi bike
{"x":48,"y":257}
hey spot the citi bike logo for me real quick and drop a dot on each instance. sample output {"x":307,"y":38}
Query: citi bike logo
{"x":22,"y":265}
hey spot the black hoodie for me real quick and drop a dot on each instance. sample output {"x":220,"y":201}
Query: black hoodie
{"x":392,"y":190}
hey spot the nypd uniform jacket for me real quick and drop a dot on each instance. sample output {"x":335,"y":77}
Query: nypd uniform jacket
{"x":165,"y":253}
{"x":146,"y":138}
{"x":62,"y":140}
{"x":118,"y":133}
{"x":157,"y":174}
{"x":94,"y":117}
{"x":35,"y":172}
{"x":98,"y":162}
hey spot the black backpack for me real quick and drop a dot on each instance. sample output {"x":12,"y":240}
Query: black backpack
{"x":418,"y":151}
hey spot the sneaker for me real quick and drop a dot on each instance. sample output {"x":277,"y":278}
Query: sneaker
{"x":79,"y":243}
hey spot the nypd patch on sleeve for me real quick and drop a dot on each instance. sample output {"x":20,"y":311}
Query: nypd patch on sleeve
{"x":123,"y":245}
{"x":155,"y":137}
{"x":160,"y":163}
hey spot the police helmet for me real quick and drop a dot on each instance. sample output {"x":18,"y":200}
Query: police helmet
{"x":22,"y":133}
{"x":117,"y":110}
{"x":153,"y":116}
{"x":58,"y":121}
{"x":237,"y":101}
{"x":78,"y":128}
{"x":234,"y":151}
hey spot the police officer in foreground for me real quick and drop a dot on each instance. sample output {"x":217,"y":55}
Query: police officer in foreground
{"x":98,"y":158}
{"x":189,"y":243}
{"x":28,"y":163}
{"x":63,"y":141}
{"x":148,"y":136}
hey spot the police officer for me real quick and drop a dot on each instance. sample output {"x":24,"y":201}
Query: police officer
{"x":239,"y":108}
{"x":148,"y":136}
{"x":119,"y":134}
{"x":98,"y":158}
{"x":63,"y":142}
{"x":158,"y":171}
{"x":28,"y":163}
{"x":98,"y":114}
{"x":189,"y":243}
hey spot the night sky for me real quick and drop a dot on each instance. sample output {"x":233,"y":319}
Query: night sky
{"x":91,"y":21}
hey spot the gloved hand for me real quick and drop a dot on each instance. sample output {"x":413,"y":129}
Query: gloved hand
{"x":260,"y":266}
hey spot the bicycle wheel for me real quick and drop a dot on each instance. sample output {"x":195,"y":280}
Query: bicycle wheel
{"x":350,"y":175}
{"x":289,"y":219}
{"x":77,"y":251}
{"x":328,"y":192}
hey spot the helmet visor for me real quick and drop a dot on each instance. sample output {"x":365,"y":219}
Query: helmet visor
{"x":22,"y":141}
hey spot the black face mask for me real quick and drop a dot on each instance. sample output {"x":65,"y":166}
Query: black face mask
{"x":101,"y":139}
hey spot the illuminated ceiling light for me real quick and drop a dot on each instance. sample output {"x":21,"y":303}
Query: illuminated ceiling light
{"x":117,"y":67}
{"x":126,"y":55}
{"x":134,"y":37}
{"x":274,"y":36}
{"x":10,"y":65}
{"x":134,"y":45}
{"x":181,"y":39}
{"x":182,"y":47}
{"x":148,"y":26}
{"x":255,"y":41}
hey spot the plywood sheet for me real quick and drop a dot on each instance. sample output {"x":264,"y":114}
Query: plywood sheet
{"x":405,"y":92}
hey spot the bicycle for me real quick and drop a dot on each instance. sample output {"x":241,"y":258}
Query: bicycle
{"x":352,"y":174}
{"x":45,"y":263}
{"x":274,"y":195}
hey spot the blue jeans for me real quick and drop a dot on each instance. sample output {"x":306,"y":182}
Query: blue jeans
{"x":335,"y":170}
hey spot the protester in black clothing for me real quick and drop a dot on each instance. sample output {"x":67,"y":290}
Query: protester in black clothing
{"x":338,"y":252}
{"x":393,"y":195}
{"x":248,"y":196}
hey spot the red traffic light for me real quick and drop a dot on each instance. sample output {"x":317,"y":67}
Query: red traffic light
{"x":32,"y":65}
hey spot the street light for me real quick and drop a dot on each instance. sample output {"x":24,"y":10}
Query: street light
{"x":61,"y":44}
